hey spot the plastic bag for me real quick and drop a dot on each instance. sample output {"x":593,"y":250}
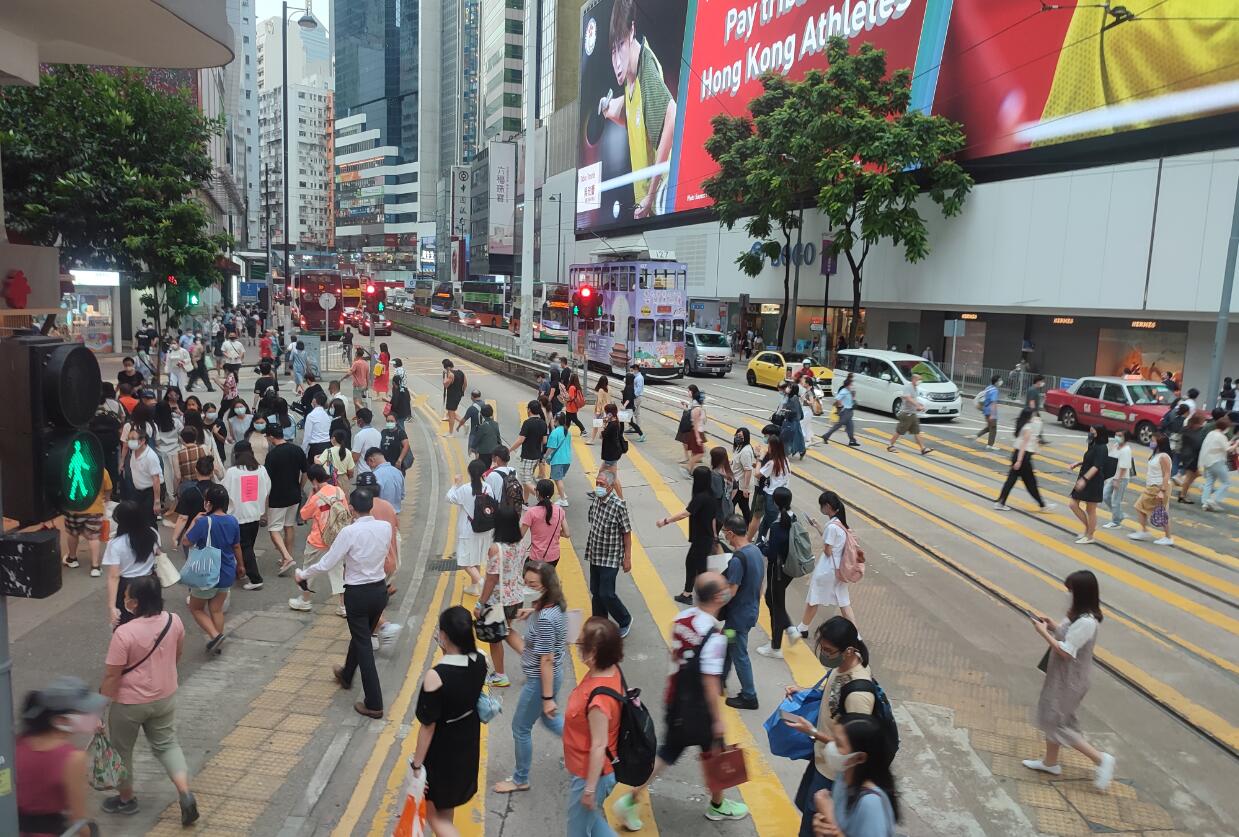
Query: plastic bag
{"x":412,"y":822}
{"x":105,"y":770}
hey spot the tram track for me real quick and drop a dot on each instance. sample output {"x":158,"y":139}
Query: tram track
{"x":1218,"y":731}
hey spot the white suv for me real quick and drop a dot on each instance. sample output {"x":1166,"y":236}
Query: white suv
{"x":880,"y":377}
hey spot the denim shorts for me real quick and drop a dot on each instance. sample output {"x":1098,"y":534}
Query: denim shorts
{"x":558,"y":472}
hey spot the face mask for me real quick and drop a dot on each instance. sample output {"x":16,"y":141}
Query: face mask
{"x":391,"y":425}
{"x":739,"y":440}
{"x":77,"y":723}
{"x":240,"y":411}
{"x":836,"y":761}
{"x":212,"y":416}
{"x":273,"y":418}
{"x":829,"y":660}
{"x":134,"y":444}
{"x":600,"y":490}
{"x":260,"y":426}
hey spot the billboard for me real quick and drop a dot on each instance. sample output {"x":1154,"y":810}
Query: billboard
{"x":501,"y":236}
{"x":1017,"y":77}
{"x":460,"y":200}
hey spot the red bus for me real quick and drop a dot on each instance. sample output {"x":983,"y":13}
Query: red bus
{"x":309,"y":311}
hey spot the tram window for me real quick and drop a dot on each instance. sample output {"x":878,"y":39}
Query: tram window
{"x":677,"y":330}
{"x":645,"y":278}
{"x":632,"y":329}
{"x":645,"y":331}
{"x":664,"y":330}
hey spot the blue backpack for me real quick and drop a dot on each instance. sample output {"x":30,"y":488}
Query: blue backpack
{"x":882,"y":711}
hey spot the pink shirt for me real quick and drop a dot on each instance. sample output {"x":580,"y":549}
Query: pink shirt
{"x":361,"y":373}
{"x":543,"y":536}
{"x":155,"y":679}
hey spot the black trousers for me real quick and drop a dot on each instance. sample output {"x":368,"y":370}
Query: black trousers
{"x":695,"y":563}
{"x":364,"y":604}
{"x":249,"y":533}
{"x":776,"y":599}
{"x":741,"y":503}
{"x":1026,"y":474}
{"x":316,"y":448}
{"x":572,"y":419}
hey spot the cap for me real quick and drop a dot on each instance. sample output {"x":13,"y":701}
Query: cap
{"x":63,"y":695}
{"x":147,"y":393}
{"x":806,"y":362}
{"x":365,"y":478}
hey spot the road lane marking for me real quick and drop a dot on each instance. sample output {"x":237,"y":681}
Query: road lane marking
{"x":771,"y":809}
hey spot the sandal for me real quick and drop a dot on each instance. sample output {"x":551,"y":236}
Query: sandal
{"x":891,"y":448}
{"x":927,"y":451}
{"x":509,"y":786}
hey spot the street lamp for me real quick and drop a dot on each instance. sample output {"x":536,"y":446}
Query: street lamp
{"x":307,"y":22}
{"x":559,"y":225}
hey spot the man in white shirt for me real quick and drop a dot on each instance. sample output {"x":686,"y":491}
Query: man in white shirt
{"x":363,"y":546}
{"x":365,"y":438}
{"x":317,"y":435}
{"x":499,"y":467}
{"x":234,"y":355}
{"x":177,"y":364}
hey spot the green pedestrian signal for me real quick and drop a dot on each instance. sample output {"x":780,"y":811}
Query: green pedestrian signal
{"x":193,"y":299}
{"x":382,"y":305}
{"x":74,"y":470}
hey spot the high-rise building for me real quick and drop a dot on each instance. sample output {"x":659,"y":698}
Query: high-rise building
{"x":242,"y":92}
{"x":375,"y":135}
{"x":558,"y":45}
{"x":310,"y":215}
{"x":502,"y":82}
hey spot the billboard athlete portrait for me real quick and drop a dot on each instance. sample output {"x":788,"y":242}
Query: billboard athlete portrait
{"x":646,"y":110}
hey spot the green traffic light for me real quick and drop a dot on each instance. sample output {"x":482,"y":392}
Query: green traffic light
{"x":193,"y":299}
{"x":382,"y":305}
{"x":75,"y":462}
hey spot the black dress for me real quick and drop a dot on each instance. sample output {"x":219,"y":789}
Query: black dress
{"x":1096,"y":455}
{"x":452,"y":760}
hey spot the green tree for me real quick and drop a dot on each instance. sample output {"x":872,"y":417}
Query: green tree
{"x":103,"y":166}
{"x":762,"y":179}
{"x":875,"y":159}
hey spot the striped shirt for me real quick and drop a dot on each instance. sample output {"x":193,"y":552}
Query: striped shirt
{"x":547,"y":633}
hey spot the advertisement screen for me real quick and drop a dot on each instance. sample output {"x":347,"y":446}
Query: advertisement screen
{"x":501,"y":235}
{"x":1017,"y":76}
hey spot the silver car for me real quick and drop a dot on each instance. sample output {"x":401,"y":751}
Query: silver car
{"x":706,"y":351}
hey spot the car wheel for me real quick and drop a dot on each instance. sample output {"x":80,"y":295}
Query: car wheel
{"x":895,"y":405}
{"x":1144,"y":432}
{"x":1067,"y":418}
{"x":751,"y":378}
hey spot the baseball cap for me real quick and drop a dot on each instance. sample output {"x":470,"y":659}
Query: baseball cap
{"x":147,"y":393}
{"x":365,"y":478}
{"x":806,"y":362}
{"x":63,"y":695}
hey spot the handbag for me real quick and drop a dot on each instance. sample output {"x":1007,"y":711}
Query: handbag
{"x":625,"y":415}
{"x":107,"y":770}
{"x":412,"y":822}
{"x":782,"y":739}
{"x":723,"y":767}
{"x":166,"y":571}
{"x":492,"y":624}
{"x":1159,"y":517}
{"x":488,"y":706}
{"x":201,"y":570}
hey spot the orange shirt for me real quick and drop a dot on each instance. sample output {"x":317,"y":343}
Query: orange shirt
{"x":576,"y":723}
{"x":105,"y":491}
{"x":360,"y":371}
{"x":312,"y":510}
{"x":128,"y":402}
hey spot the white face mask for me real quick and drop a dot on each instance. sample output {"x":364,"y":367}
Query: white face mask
{"x":260,"y":425}
{"x":240,"y":411}
{"x":77,"y":722}
{"x":600,"y":490}
{"x":836,"y":761}
{"x":391,"y":425}
{"x":134,"y":444}
{"x":212,"y":416}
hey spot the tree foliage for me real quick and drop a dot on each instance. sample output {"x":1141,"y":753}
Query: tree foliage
{"x":874,"y":158}
{"x":104,"y":167}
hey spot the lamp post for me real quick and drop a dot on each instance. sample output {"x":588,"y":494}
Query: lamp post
{"x":307,"y":22}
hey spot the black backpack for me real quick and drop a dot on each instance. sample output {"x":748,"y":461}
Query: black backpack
{"x":484,"y":508}
{"x":637,"y":743}
{"x":512,"y":496}
{"x":882,"y":711}
{"x":686,"y":713}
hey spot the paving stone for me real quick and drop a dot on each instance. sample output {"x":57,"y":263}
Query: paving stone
{"x":992,"y":742}
{"x":1095,"y":807}
{"x":288,"y":742}
{"x":297,"y":671}
{"x":275,"y":764}
{"x":248,"y":737}
{"x":273,"y":700}
{"x":263,"y":718}
{"x":1145,"y":815}
{"x":264,"y":628}
{"x":1041,"y":796}
{"x":258,"y":787}
{"x":235,"y":758}
{"x":217,"y":780}
{"x":299,"y":723}
{"x":1063,"y":823}
{"x":314,"y":643}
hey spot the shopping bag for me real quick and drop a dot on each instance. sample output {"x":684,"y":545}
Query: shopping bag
{"x":723,"y":767}
{"x":105,"y":769}
{"x":201,"y":570}
{"x":166,"y":570}
{"x":412,"y":822}
{"x":597,"y":424}
{"x":625,"y":415}
{"x":785,"y":741}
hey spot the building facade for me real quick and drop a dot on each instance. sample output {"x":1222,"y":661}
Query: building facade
{"x":502,"y":78}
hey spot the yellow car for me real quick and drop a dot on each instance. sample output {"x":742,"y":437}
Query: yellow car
{"x":769,"y":369}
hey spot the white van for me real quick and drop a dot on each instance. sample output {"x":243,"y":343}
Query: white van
{"x":880,"y":377}
{"x":706,"y":351}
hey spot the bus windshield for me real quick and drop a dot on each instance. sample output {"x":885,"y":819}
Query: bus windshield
{"x":930,"y":374}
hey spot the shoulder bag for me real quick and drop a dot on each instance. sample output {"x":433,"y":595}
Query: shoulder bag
{"x":201,"y":570}
{"x":158,"y":640}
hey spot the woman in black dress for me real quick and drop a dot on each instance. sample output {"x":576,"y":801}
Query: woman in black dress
{"x":1088,"y":488}
{"x":448,"y":739}
{"x":702,"y":530}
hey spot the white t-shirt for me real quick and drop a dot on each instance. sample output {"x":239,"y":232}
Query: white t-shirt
{"x":120,"y":553}
{"x":909,"y":407}
{"x":715,"y":649}
{"x":834,"y":537}
{"x":233,"y":351}
{"x":1213,"y":449}
{"x":773,"y":480}
{"x":247,"y":492}
{"x":1153,"y":472}
{"x":363,"y":440}
{"x":494,"y":480}
{"x":1123,"y":455}
{"x":741,"y":461}
{"x":1079,"y":633}
{"x":145,"y":467}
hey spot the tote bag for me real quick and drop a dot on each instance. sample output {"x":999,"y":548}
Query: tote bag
{"x":201,"y":570}
{"x":785,"y":741}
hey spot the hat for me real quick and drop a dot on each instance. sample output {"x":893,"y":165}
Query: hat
{"x":806,"y":362}
{"x":63,"y":695}
{"x":147,"y":393}
{"x":365,"y":478}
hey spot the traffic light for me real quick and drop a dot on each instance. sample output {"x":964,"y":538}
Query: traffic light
{"x":193,"y":297}
{"x":372,"y":294}
{"x":586,"y":303}
{"x":51,"y":464}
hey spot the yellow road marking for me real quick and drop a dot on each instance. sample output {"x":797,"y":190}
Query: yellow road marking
{"x":772,"y":811}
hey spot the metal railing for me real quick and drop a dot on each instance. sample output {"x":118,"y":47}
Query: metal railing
{"x":489,"y":338}
{"x":1012,"y":383}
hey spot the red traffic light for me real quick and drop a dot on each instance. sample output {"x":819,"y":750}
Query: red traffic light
{"x":370,"y":289}
{"x":171,"y":279}
{"x":586,"y":291}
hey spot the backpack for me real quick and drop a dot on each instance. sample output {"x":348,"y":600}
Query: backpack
{"x":484,"y":508}
{"x":978,"y":400}
{"x":512,"y":495}
{"x":686,"y":696}
{"x":577,"y":401}
{"x":800,"y":559}
{"x":334,"y":519}
{"x":637,"y":743}
{"x":725,"y":507}
{"x":1164,"y":424}
{"x":882,"y":711}
{"x":851,"y":567}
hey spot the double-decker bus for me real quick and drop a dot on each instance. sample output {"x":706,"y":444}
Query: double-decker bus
{"x":552,"y":305}
{"x":308,"y":309}
{"x":423,"y":289}
{"x":644,"y":311}
{"x":442,"y":301}
{"x":485,"y":296}
{"x":350,"y":287}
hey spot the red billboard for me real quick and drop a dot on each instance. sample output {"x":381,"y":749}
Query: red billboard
{"x":1017,"y":75}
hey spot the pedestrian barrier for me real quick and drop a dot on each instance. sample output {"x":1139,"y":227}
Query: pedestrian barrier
{"x":441,"y":327}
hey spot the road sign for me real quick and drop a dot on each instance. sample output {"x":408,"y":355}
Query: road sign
{"x":250,"y":291}
{"x":327,"y":302}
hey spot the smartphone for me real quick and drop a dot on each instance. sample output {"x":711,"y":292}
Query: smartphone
{"x":788,"y":717}
{"x":303,"y":584}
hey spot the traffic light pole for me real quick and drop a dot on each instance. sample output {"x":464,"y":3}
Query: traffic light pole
{"x":8,"y":793}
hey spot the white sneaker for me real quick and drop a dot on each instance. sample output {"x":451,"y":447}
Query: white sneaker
{"x":793,"y":636}
{"x":767,"y":651}
{"x":473,"y":590}
{"x":374,"y":643}
{"x":1039,"y":765}
{"x":1002,"y":507}
{"x":388,"y":634}
{"x":1111,"y":525}
{"x":1047,"y":508}
{"x":252,"y":585}
{"x":1083,"y":539}
{"x":1104,"y":772}
{"x":991,"y":447}
{"x":562,"y":501}
{"x":95,"y":572}
{"x":1164,"y":541}
{"x":1140,"y":536}
{"x":298,"y":603}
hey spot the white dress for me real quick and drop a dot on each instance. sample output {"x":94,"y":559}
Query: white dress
{"x":824,"y":587}
{"x":471,"y":546}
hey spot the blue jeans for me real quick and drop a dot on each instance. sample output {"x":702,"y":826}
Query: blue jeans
{"x":529,"y":712}
{"x":1217,"y":479}
{"x":738,"y":655}
{"x":1112,"y":495}
{"x":583,"y":822}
